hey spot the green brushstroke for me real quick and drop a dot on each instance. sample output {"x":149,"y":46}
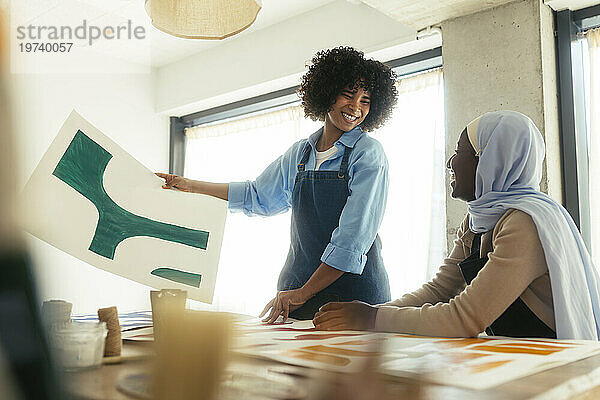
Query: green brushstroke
{"x":82,"y":167}
{"x":175,"y":275}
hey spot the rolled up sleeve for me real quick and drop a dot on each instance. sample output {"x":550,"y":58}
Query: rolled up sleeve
{"x":344,"y":260}
{"x":270,"y":193}
{"x":237,"y":195}
{"x":362,"y":215}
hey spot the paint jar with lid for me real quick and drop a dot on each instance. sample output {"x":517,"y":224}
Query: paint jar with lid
{"x":79,"y":345}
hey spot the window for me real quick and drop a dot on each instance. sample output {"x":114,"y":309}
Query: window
{"x":254,"y":249}
{"x":578,"y":63}
{"x":413,"y":231}
{"x":591,"y":66}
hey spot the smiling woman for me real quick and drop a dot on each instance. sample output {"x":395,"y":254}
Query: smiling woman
{"x":335,"y":183}
{"x":339,"y":71}
{"x":350,"y":109}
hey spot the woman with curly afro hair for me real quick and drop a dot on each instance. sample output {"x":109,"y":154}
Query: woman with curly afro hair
{"x":336,"y":184}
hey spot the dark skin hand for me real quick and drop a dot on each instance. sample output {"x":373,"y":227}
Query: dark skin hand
{"x":284,"y":302}
{"x":218,"y":190}
{"x":287,"y":301}
{"x":337,"y":316}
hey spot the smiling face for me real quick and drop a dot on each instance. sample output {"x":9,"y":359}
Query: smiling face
{"x":463,"y":166}
{"x":350,"y":108}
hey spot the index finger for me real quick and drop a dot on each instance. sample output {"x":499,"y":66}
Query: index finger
{"x":275,"y":312}
{"x":161,"y":175}
{"x":269,"y":304}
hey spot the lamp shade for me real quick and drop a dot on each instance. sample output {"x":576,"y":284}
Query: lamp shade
{"x":203,"y":19}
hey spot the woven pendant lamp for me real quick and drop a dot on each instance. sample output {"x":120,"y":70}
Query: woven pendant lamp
{"x":203,"y":19}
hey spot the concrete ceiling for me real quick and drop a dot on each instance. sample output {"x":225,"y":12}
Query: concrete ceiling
{"x":423,"y":13}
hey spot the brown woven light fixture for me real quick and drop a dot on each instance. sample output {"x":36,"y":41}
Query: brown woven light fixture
{"x":203,"y":19}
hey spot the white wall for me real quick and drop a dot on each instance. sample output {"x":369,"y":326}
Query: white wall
{"x":122,"y":106}
{"x":279,"y":52}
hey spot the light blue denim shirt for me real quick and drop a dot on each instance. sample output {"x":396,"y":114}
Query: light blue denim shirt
{"x":271,"y":193}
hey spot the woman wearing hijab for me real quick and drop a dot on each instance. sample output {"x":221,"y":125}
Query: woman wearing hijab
{"x":519,"y":266}
{"x":335,"y":182}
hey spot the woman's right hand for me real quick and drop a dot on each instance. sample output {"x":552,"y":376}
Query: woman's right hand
{"x":175,"y":182}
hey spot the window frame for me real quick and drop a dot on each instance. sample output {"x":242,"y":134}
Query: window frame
{"x":403,"y":66}
{"x":569,"y":25}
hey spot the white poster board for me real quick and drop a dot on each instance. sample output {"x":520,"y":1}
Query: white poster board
{"x":91,"y":199}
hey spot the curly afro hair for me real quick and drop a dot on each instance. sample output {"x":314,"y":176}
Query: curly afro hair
{"x":335,"y":69}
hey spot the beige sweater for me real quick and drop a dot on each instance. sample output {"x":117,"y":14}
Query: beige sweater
{"x":445,"y":307}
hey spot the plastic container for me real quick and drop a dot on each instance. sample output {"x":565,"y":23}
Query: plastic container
{"x":56,"y":314}
{"x":79,"y":345}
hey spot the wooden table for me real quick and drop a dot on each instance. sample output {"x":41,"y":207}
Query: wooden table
{"x":579,"y":380}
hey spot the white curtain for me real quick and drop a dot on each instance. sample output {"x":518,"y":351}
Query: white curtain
{"x":413,"y":231}
{"x":254,"y":249}
{"x":593,"y":113}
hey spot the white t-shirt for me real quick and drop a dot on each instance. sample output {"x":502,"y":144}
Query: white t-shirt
{"x":321,"y":156}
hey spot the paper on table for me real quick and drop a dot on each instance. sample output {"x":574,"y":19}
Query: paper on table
{"x":475,"y":363}
{"x":91,"y":199}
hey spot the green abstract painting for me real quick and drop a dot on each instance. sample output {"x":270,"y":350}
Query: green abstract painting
{"x":175,"y":275}
{"x":82,"y":167}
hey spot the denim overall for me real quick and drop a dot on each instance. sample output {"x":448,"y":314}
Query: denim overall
{"x":518,"y":320}
{"x":317,"y":202}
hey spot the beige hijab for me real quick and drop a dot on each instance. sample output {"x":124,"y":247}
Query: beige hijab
{"x":472,"y":134}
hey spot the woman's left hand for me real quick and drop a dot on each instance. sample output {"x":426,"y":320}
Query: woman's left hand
{"x":283,"y":303}
{"x":355,"y":315}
